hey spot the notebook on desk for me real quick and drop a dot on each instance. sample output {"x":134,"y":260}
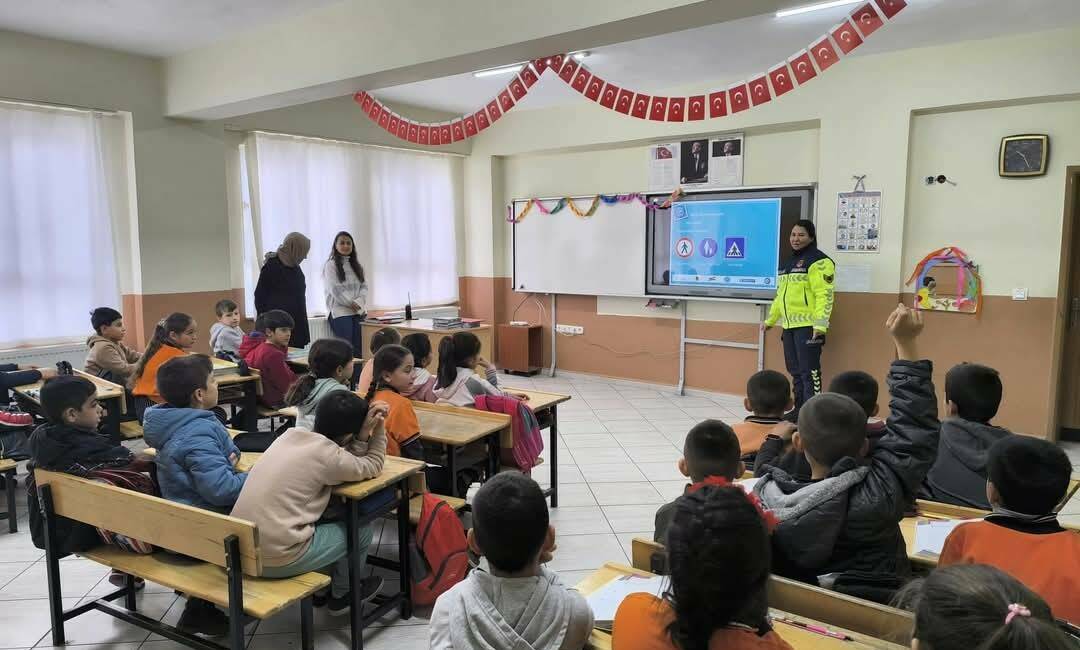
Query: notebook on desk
{"x":605,"y":601}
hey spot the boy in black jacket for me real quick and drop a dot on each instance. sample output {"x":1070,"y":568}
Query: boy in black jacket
{"x":840,"y":529}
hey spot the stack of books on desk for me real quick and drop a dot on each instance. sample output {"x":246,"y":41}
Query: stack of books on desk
{"x":223,"y":367}
{"x":446,"y":322}
{"x":385,"y":320}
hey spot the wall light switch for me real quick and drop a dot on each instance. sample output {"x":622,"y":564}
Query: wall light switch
{"x":1020,"y":293}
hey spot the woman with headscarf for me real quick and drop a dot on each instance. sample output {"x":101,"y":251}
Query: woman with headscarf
{"x":282,"y":285}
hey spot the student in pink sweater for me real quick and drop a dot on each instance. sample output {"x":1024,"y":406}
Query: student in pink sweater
{"x":288,"y":490}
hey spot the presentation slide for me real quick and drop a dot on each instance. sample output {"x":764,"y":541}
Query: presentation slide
{"x":725,"y":243}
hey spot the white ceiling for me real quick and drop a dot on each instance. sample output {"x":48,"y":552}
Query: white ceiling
{"x":149,"y":27}
{"x":727,"y":52}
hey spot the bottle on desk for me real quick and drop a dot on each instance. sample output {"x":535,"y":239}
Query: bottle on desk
{"x":408,"y":307}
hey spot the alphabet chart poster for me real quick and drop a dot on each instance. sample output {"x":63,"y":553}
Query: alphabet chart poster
{"x":858,"y":222}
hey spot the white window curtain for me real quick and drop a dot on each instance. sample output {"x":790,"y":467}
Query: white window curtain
{"x":59,"y":190}
{"x":400,"y":206}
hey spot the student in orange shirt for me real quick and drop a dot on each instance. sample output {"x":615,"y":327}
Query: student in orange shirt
{"x":174,"y":336}
{"x":768,"y":397}
{"x":391,"y":376}
{"x":1022,"y":537}
{"x":719,"y":555}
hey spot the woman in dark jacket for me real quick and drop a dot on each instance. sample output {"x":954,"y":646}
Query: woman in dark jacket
{"x":282,"y":285}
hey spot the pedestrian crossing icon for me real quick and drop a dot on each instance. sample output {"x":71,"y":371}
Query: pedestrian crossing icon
{"x":735,"y":248}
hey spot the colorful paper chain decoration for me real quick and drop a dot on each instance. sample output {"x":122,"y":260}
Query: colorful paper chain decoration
{"x":594,"y":203}
{"x":967,"y":276}
{"x":825,"y":51}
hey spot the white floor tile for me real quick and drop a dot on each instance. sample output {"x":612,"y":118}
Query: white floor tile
{"x":617,"y":415}
{"x":575,"y":494}
{"x":706,"y":412}
{"x":588,"y":520}
{"x":652,"y":403}
{"x":655,"y":454}
{"x":19,"y":547}
{"x":25,"y":622}
{"x":620,"y":494}
{"x":624,"y":519}
{"x":98,"y":627}
{"x":586,"y":552}
{"x":581,"y":427}
{"x":630,"y":426}
{"x":76,"y":579}
{"x":690,"y":402}
{"x":630,"y":439}
{"x":599,"y":455}
{"x":10,"y":570}
{"x":661,"y":471}
{"x":610,"y":473}
{"x":591,"y":441}
{"x":626,"y":539}
{"x":671,"y":490}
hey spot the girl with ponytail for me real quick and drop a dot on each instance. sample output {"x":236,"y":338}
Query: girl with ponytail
{"x":459,"y":378}
{"x":174,"y":336}
{"x":390,"y":377}
{"x":330,"y":368}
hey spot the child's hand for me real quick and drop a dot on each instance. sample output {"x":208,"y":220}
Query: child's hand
{"x":904,"y":326}
{"x":234,"y":458}
{"x":521,"y":396}
{"x":376,"y":416}
{"x":784,"y":431}
{"x":481,"y":362}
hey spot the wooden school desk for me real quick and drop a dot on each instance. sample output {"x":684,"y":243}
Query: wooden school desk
{"x":110,"y":395}
{"x":799,"y":638}
{"x":456,"y":428}
{"x":425,"y":326}
{"x":546,"y":408}
{"x":251,"y":387}
{"x":298,"y":360}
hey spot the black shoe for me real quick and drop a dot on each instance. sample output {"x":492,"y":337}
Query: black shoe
{"x":320,"y":599}
{"x":201,"y":617}
{"x":369,"y":588}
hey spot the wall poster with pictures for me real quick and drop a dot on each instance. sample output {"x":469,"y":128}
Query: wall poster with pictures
{"x":701,"y":163}
{"x":858,"y":222}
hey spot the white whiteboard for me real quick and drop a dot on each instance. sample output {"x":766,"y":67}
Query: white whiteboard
{"x":603,"y":255}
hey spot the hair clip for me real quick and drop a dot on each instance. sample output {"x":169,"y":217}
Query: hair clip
{"x":1016,"y":609}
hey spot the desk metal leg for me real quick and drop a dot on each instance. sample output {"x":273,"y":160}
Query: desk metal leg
{"x":404,"y":572}
{"x":112,"y":419}
{"x":251,"y":417}
{"x":356,"y":606}
{"x":494,"y":449}
{"x":9,"y":489}
{"x":451,"y":467}
{"x":553,"y":441}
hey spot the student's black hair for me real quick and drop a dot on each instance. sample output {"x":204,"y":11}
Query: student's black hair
{"x":927,"y":280}
{"x":339,"y":414}
{"x":385,"y":336}
{"x":388,"y":359}
{"x":976,"y":391}
{"x":454,"y":351}
{"x":965,"y":607}
{"x":831,"y":427}
{"x":711,"y":449}
{"x":179,"y":378}
{"x":273,"y":319}
{"x":719,"y":557}
{"x":769,"y":392}
{"x":859,"y":386}
{"x":65,"y":392}
{"x":510,"y":520}
{"x":103,"y":316}
{"x":1030,"y":475}
{"x":420,"y":346}
{"x":339,"y":263}
{"x":324,"y":358}
{"x":174,"y":323}
{"x":224,"y":306}
{"x":808,"y":226}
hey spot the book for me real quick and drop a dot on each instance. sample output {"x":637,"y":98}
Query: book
{"x":930,"y":535}
{"x":223,"y":367}
{"x":606,"y":600}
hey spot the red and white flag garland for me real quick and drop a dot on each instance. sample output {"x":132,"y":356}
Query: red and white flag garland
{"x":800,"y":68}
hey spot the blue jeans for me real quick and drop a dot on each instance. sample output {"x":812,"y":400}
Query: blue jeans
{"x":348,"y":328}
{"x":327,"y":554}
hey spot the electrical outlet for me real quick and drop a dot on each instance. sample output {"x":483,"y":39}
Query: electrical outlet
{"x":569,"y":329}
{"x":1020,"y":293}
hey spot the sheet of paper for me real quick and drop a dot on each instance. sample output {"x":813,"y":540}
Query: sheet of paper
{"x":858,"y":222}
{"x":930,"y":535}
{"x":606,"y":600}
{"x":853,"y":277}
{"x":664,"y":167}
{"x":748,"y":484}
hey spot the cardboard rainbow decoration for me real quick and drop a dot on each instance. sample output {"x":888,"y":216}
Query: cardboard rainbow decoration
{"x":966,"y":297}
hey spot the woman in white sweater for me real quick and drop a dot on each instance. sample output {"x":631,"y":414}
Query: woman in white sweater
{"x":345,"y":289}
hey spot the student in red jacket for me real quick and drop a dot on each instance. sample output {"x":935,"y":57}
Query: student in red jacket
{"x":266,"y":349}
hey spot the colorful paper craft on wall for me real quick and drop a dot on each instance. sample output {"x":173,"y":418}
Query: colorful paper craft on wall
{"x":946,"y":280}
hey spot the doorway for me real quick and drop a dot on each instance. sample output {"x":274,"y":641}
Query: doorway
{"x":1065,"y":423}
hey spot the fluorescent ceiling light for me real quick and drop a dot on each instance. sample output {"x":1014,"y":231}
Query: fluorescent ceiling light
{"x":577,"y":56}
{"x":795,"y":11}
{"x":497,"y":71}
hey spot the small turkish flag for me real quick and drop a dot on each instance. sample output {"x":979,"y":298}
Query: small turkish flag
{"x":846,"y":36}
{"x":543,"y":64}
{"x":676,"y":111}
{"x":568,"y":70}
{"x":358,"y":97}
{"x":366,"y":102}
{"x":866,"y":19}
{"x":824,"y":54}
{"x":780,"y":77}
{"x":891,"y":7}
{"x":596,"y":84}
{"x":528,"y":76}
{"x":718,"y":104}
{"x":759,"y":91}
{"x":581,"y":80}
{"x":393,"y":124}
{"x":517,"y":89}
{"x":414,"y":132}
{"x":458,"y":130}
{"x":607,"y":97}
{"x":740,"y":100}
{"x":423,"y":134}
{"x":384,"y":118}
{"x":444,"y":133}
{"x":403,"y":129}
{"x":802,"y":67}
{"x":435,"y":137}
{"x":470,"y":126}
{"x":658,"y":108}
{"x":505,"y":101}
{"x":641,"y":106}
{"x":493,"y":110}
{"x":624,"y":101}
{"x":696,"y":109}
{"x":373,"y":112}
{"x":482,"y":121}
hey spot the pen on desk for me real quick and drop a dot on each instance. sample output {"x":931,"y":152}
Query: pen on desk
{"x":816,"y":629}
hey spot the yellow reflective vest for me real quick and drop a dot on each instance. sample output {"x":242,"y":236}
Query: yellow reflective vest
{"x":804,"y":292}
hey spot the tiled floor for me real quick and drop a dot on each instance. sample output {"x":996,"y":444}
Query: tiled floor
{"x":619,"y":443}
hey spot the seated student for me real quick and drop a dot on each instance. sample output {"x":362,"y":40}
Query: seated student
{"x":287,"y":492}
{"x":517,"y":603}
{"x":385,"y":336}
{"x":711,"y":449}
{"x":195,"y":458}
{"x":840,"y":528}
{"x":718,"y":553}
{"x":1028,"y":478}
{"x":14,"y":374}
{"x":266,"y":349}
{"x":109,"y":358}
{"x":226,"y":335}
{"x":458,"y":383}
{"x":978,"y":607}
{"x":174,"y":336}
{"x":423,"y":382}
{"x":972,"y":397}
{"x":330,"y":367}
{"x":768,"y":397}
{"x":392,"y":373}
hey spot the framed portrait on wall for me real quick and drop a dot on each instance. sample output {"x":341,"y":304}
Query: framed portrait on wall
{"x":1023,"y":155}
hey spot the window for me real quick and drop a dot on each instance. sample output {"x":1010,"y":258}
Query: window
{"x":400,"y":206}
{"x":62,"y":183}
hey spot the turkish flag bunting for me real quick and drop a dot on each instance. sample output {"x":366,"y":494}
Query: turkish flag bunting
{"x":658,"y":108}
{"x":696,"y":108}
{"x":568,"y":70}
{"x":366,"y":102}
{"x":581,"y":80}
{"x":358,"y":97}
{"x":493,"y":110}
{"x":505,"y":101}
{"x":458,"y":131}
{"x":802,"y":67}
{"x":780,"y":77}
{"x":641,"y":106}
{"x":740,"y":101}
{"x":623,"y":103}
{"x":718,"y":104}
{"x":517,"y":89}
{"x":556,"y":63}
{"x":444,"y":133}
{"x":543,"y":63}
{"x":607,"y":97}
{"x":596,"y":84}
{"x":866,"y":19}
{"x":824,"y":54}
{"x":414,"y":132}
{"x":676,"y":111}
{"x":481,"y":120}
{"x":436,"y":135}
{"x":470,"y":126}
{"x":528,"y":76}
{"x":403,"y":129}
{"x":392,"y":127}
{"x":373,"y":112}
{"x":759,"y":90}
{"x":424,"y":134}
{"x":891,"y":7}
{"x":846,"y":36}
{"x":384,"y":118}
